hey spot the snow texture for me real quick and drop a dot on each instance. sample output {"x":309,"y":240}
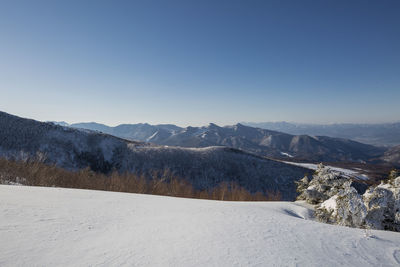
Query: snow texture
{"x":70,"y":227}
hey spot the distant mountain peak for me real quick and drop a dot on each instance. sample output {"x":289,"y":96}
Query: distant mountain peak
{"x":380,"y":134}
{"x":255,"y":140}
{"x":61,"y":123}
{"x":213,"y":125}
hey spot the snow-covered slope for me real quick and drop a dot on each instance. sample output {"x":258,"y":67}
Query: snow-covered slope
{"x":69,"y":227}
{"x":345,"y":172}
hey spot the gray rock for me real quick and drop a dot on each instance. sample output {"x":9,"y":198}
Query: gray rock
{"x":338,"y":202}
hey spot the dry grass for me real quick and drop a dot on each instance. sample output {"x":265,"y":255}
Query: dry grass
{"x":39,"y":174}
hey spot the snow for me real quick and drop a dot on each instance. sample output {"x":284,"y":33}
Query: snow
{"x":330,"y":204}
{"x":286,"y":154}
{"x":346,"y":172}
{"x":151,"y":136}
{"x":71,"y":227}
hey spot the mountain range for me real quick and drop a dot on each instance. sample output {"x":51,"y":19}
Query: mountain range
{"x":70,"y":148}
{"x":382,"y":134}
{"x":259,"y":141}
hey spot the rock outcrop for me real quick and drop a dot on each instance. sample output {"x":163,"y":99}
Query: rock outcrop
{"x":338,"y":202}
{"x":324,"y":184}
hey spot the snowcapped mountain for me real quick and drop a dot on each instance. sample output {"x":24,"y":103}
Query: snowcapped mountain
{"x":256,"y":140}
{"x":204,"y":167}
{"x":139,"y":132}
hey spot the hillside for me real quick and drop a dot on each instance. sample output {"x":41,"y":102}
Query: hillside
{"x":204,"y":168}
{"x":393,"y":156}
{"x":256,"y":140}
{"x":70,"y":227}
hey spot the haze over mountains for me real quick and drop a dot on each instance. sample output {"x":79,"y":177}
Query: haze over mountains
{"x":383,"y":134}
{"x":256,"y":140}
{"x":204,"y":168}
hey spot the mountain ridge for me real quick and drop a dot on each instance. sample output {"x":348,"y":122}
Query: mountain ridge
{"x":379,"y":134}
{"x":263,"y":142}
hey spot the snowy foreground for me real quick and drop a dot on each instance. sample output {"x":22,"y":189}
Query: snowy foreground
{"x":69,"y":227}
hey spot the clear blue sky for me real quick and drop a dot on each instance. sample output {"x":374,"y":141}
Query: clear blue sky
{"x":195,"y":62}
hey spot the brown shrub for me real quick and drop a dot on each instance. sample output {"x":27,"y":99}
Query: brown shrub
{"x":36,"y":173}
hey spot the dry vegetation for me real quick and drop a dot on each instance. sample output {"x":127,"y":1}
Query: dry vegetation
{"x":39,"y":174}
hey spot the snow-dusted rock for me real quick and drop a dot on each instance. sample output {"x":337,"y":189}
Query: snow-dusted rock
{"x":302,"y":186}
{"x":345,"y":208}
{"x":338,"y":202}
{"x":396,"y":182}
{"x":383,"y":204}
{"x":379,"y":201}
{"x":324,"y":184}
